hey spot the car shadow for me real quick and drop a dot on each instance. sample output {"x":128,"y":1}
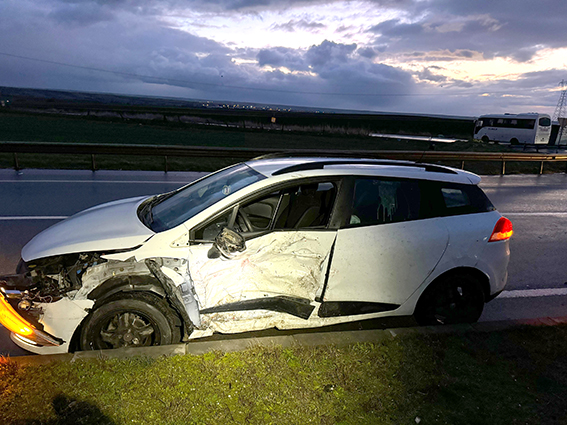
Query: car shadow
{"x":71,"y":411}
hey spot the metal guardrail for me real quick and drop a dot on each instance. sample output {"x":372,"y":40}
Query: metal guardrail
{"x":246,"y":153}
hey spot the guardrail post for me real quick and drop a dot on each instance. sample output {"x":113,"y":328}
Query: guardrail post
{"x":541,"y":168}
{"x":16,"y":163}
{"x":503,"y":171}
{"x":93,"y":162}
{"x":165,"y":163}
{"x":462,"y":165}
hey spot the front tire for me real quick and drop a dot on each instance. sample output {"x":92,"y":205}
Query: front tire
{"x":129,"y":320}
{"x":457,"y":298}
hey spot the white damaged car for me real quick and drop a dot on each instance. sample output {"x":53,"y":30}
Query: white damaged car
{"x":273,"y":242}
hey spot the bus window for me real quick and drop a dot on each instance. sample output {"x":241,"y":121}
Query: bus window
{"x":544,"y":122}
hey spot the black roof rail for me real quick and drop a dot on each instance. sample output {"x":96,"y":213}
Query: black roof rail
{"x":304,"y":153}
{"x":321,"y":165}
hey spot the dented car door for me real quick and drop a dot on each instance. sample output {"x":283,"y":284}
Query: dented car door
{"x":276,"y":277}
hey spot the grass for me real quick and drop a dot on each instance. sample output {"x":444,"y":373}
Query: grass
{"x":507,"y":377}
{"x":66,"y":129}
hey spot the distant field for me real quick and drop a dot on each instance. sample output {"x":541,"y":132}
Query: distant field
{"x":66,"y":129}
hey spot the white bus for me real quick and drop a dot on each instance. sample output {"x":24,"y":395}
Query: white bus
{"x":517,"y":129}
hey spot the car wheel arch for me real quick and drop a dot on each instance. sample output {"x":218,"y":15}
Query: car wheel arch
{"x":475,"y":273}
{"x":117,"y":286}
{"x":473,"y":305}
{"x":151,"y":299}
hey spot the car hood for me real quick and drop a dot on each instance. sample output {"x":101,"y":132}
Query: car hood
{"x":110,"y":226}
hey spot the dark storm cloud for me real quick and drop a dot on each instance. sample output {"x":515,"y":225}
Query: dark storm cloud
{"x":282,"y":56}
{"x":426,"y":74}
{"x":202,"y":5}
{"x":301,"y":24}
{"x":146,"y":57}
{"x":79,"y":14}
{"x":354,"y":81}
{"x":125,"y":46}
{"x":329,"y":52}
{"x":509,"y":28}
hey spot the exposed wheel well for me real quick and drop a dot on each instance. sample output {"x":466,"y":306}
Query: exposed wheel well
{"x":152,"y":306}
{"x":114,"y":285}
{"x":117,"y":287}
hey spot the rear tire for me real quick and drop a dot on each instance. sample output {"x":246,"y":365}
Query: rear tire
{"x":514,"y":142}
{"x":485,"y":139}
{"x":129,"y":320}
{"x":456,"y":298}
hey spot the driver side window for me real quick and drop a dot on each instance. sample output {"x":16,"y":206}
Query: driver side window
{"x":299,"y":207}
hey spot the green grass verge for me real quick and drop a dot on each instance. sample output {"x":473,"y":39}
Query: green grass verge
{"x":507,"y":377}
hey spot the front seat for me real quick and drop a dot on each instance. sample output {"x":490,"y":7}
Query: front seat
{"x":305,"y":208}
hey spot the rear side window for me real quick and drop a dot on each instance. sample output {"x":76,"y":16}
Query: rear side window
{"x":455,"y":199}
{"x":381,"y":201}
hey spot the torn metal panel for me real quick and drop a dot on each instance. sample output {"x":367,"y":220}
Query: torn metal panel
{"x":255,"y":320}
{"x":101,"y":273}
{"x":180,"y":295}
{"x":298,"y":307}
{"x":280,"y":263}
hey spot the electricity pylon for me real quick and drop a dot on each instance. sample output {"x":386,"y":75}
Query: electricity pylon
{"x":560,"y":109}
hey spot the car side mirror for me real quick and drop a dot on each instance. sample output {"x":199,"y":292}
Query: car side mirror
{"x":228,"y":243}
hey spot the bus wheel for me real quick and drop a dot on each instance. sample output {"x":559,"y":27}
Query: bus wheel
{"x":485,"y":139}
{"x":514,"y":142}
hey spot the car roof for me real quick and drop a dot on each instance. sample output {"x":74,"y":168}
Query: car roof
{"x":307,"y":166}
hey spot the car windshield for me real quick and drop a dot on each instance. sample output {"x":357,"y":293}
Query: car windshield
{"x":169,"y":210}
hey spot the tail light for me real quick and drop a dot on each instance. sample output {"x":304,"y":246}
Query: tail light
{"x":502,"y":230}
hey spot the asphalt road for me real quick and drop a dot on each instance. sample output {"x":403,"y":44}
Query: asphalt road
{"x":33,"y":200}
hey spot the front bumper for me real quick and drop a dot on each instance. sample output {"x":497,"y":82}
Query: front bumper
{"x":21,"y":328}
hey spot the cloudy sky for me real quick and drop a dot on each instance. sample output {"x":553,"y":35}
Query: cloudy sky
{"x":452,"y":57}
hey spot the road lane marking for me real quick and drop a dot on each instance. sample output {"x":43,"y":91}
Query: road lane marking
{"x":36,"y":217}
{"x":529,"y":293}
{"x":535,"y":214}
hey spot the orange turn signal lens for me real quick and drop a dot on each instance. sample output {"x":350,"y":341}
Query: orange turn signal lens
{"x":12,"y":321}
{"x":503,"y":230}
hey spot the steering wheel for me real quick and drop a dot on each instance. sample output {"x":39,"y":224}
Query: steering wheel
{"x":244,"y":222}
